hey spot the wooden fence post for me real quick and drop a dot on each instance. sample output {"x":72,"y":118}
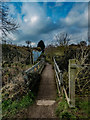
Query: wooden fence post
{"x":72,"y":75}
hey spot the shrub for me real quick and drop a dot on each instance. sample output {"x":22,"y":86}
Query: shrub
{"x":33,"y":81}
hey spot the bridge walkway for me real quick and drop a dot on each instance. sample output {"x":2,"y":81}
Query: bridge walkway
{"x":45,"y":104}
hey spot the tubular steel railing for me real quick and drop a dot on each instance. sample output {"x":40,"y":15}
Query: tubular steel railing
{"x":58,"y":73}
{"x":59,"y":80}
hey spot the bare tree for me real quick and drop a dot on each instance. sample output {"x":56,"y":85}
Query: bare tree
{"x":84,"y":51}
{"x":28,"y":43}
{"x":83,"y":43}
{"x":7,"y":24}
{"x":62,"y":38}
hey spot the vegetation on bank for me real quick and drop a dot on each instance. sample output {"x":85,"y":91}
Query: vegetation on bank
{"x":18,"y":89}
{"x":26,"y":96}
{"x":17,"y":92}
{"x":81,"y":110}
{"x":10,"y":107}
{"x":15,"y":60}
{"x":62,"y":55}
{"x":13,"y":54}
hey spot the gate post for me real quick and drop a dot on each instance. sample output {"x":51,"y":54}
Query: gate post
{"x":72,"y":75}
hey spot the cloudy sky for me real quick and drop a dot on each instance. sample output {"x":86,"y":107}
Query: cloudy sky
{"x":43,"y":20}
{"x":48,"y":0}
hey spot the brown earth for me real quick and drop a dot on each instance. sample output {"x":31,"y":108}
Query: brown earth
{"x":46,"y":97}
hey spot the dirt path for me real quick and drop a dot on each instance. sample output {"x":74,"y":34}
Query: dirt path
{"x":45,"y":104}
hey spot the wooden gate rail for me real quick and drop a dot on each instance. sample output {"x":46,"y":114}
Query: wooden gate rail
{"x":67,"y":98}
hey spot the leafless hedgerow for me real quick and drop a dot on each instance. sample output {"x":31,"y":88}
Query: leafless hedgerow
{"x":62,"y":39}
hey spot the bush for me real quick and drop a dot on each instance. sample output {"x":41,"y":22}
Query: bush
{"x":33,"y":81}
{"x":66,"y":115}
{"x":63,"y":61}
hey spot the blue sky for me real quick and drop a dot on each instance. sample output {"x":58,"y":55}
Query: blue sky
{"x":43,"y":20}
{"x":48,"y":0}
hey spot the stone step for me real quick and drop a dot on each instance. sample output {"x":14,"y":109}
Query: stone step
{"x":45,"y":102}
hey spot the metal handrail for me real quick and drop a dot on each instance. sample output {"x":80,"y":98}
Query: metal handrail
{"x":36,"y":67}
{"x":32,"y":68}
{"x":58,"y":75}
{"x":59,"y":79}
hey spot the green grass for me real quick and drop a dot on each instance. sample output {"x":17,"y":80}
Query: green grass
{"x":83,"y":105}
{"x":63,"y":111}
{"x":55,"y":51}
{"x":81,"y":110}
{"x":62,"y":106}
{"x":10,"y":108}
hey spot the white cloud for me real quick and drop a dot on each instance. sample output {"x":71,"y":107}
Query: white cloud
{"x":76,"y":22}
{"x":0,"y":36}
{"x":76,"y":38}
{"x":33,"y":43}
{"x":12,"y":10}
{"x":77,"y":16}
{"x":12,"y":36}
{"x":36,"y":25}
{"x":47,"y":0}
{"x":34,"y":18}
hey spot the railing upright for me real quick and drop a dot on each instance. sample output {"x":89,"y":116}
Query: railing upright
{"x":61,"y":86}
{"x":59,"y":76}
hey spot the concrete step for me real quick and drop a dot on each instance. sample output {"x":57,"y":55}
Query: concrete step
{"x":45,"y":102}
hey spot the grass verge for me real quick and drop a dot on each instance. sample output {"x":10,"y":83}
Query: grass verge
{"x":10,"y":108}
{"x":62,"y":110}
{"x":81,"y":111}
